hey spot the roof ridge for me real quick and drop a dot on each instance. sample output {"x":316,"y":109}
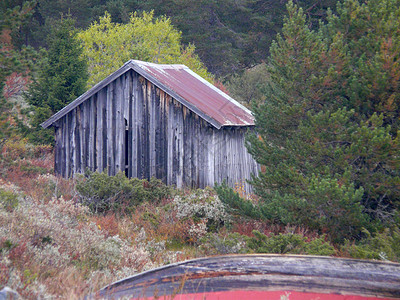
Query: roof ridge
{"x":145,"y":63}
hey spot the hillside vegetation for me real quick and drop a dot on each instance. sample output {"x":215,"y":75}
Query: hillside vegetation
{"x":68,"y":238}
{"x":229,"y":35}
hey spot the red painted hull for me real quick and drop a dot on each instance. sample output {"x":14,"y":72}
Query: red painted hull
{"x":263,"y":295}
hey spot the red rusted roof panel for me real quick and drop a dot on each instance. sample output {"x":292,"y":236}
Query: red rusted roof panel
{"x":206,"y":98}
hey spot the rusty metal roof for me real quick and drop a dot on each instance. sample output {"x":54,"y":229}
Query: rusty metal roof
{"x":194,"y":92}
{"x":203,"y":96}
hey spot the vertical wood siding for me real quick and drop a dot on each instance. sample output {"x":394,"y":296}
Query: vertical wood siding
{"x":165,"y":139}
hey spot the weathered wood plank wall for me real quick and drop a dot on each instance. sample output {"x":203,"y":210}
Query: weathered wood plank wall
{"x":164,"y":138}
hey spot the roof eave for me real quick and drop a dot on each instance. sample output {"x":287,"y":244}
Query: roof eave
{"x":61,"y":113}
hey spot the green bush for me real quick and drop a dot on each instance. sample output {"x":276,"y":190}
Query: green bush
{"x":384,"y":245}
{"x":325,"y":206}
{"x":237,"y":204}
{"x":31,"y":169}
{"x":7,"y":245}
{"x":289,"y":243}
{"x":118,"y":193}
{"x":216,"y":244}
{"x":202,"y":204}
{"x":8,"y":200}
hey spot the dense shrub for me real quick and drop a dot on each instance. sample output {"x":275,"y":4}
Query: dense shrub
{"x":118,"y":193}
{"x":19,"y":148}
{"x":20,"y":161}
{"x":329,"y":208}
{"x":236,"y":203}
{"x":217,"y":244}
{"x":202,"y":205}
{"x":8,"y":200}
{"x":15,"y":148}
{"x":289,"y":243}
{"x":384,"y":245}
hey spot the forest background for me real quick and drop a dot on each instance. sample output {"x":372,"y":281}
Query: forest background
{"x":321,"y":77}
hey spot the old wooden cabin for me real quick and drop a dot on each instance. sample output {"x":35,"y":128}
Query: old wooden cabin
{"x":155,"y":120}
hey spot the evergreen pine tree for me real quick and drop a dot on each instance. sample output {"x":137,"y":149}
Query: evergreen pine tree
{"x":328,"y":163}
{"x":12,"y":58}
{"x":61,"y":79}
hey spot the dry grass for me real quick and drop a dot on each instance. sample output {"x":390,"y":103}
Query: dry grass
{"x":51,"y":246}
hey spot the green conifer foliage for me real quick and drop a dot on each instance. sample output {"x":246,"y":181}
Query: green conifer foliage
{"x":327,"y":132}
{"x":61,"y":79}
{"x":12,"y":58}
{"x":371,"y":64}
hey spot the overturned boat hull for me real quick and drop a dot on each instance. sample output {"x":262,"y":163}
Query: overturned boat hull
{"x":254,"y":277}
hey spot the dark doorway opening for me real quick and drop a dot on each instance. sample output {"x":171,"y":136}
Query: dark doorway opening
{"x":126,"y":149}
